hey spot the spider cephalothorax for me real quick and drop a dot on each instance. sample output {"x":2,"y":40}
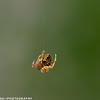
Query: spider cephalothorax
{"x":44,"y":63}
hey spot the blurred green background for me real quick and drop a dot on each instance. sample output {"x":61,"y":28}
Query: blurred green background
{"x":68,"y":28}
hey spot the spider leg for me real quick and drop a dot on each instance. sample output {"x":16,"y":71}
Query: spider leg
{"x":45,"y":69}
{"x":42,"y":55}
{"x":33,"y":65}
{"x":38,"y":59}
{"x":53,"y":62}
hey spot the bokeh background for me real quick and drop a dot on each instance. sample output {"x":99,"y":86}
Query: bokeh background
{"x":69,"y":28}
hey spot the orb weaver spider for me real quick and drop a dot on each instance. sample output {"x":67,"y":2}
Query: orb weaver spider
{"x":44,"y":63}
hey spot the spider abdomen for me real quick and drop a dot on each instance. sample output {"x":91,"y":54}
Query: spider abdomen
{"x":47,"y":60}
{"x":46,"y":63}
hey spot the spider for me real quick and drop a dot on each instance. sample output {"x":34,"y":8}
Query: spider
{"x":44,"y":63}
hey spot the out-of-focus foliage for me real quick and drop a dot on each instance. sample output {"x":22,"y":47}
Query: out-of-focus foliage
{"x":68,"y":28}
